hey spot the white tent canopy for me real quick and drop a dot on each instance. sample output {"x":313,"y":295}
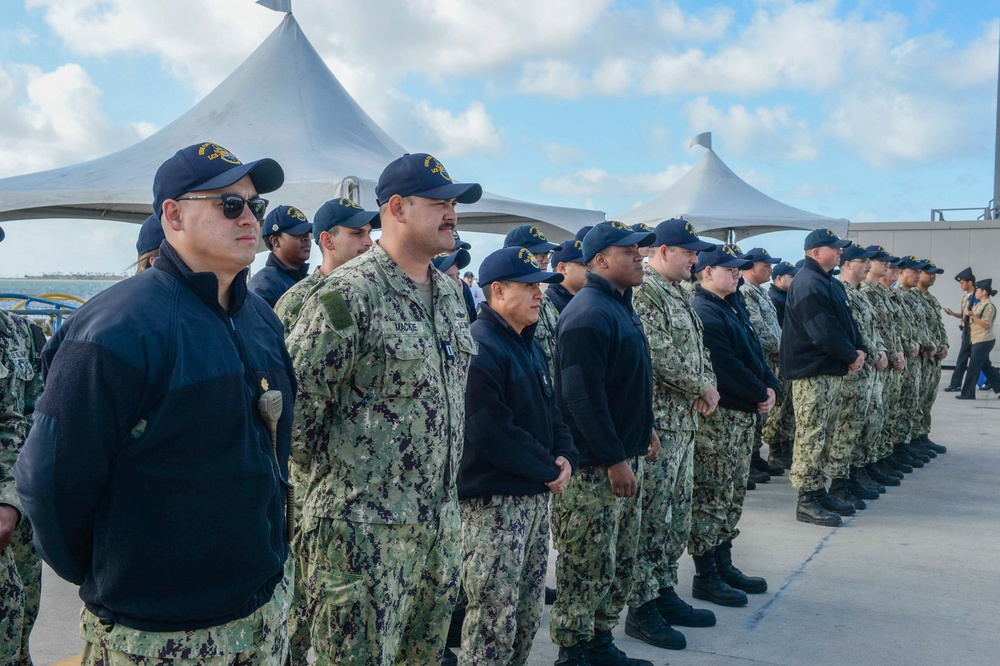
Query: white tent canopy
{"x":281,"y":102}
{"x":716,"y":201}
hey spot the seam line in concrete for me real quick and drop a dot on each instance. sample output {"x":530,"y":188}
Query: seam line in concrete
{"x":755,"y":618}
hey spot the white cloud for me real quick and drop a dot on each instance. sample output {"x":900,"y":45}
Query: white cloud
{"x":595,"y":181}
{"x":54,"y":118}
{"x":762,"y":131}
{"x":457,"y":135}
{"x":680,"y":26}
{"x":560,"y":154}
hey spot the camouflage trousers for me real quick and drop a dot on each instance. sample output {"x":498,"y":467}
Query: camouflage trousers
{"x":848,"y":445}
{"x":779,"y":427}
{"x":11,"y":609}
{"x":907,"y":402}
{"x":596,"y":535}
{"x":816,"y":401}
{"x":722,"y":449}
{"x":930,"y":379}
{"x":260,"y":639}
{"x":380,"y":594}
{"x":870,"y":440}
{"x":890,"y":397}
{"x":666,"y":516}
{"x":761,"y":418}
{"x":22,"y":607}
{"x":298,"y":617}
{"x":506,"y":544}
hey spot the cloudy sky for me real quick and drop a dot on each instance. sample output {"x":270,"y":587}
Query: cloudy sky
{"x":872,"y":110}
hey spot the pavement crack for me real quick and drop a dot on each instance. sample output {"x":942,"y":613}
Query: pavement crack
{"x":755,"y":618}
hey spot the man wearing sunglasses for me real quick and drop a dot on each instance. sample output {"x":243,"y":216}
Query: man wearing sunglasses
{"x":151,"y":476}
{"x":288,"y":235}
{"x":382,"y":353}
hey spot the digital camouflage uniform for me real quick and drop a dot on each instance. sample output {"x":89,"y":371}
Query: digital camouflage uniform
{"x":931,"y":376}
{"x":905,"y":394}
{"x":20,"y":566}
{"x":545,"y":332}
{"x":379,"y":429}
{"x":287,"y":308}
{"x":764,"y":318}
{"x":289,"y":305}
{"x":509,"y":535}
{"x":682,"y":372}
{"x":861,"y":394}
{"x":894,"y":322}
{"x":259,"y":639}
{"x":816,"y":401}
{"x":913,"y":308}
{"x":722,"y":450}
{"x":587,"y":518}
{"x":887,"y":381}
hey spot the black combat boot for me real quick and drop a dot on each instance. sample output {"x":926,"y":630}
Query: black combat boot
{"x":866,"y":480}
{"x":709,"y":586}
{"x":809,"y":510}
{"x":841,"y":493}
{"x":602,"y":651}
{"x":550,"y":596}
{"x":835,"y":504}
{"x":758,"y":463}
{"x":733,"y":576}
{"x":675,"y":610}
{"x":876,"y":474}
{"x":896,"y":459}
{"x":572,"y":656}
{"x":781,"y":454}
{"x":750,"y":484}
{"x":933,"y":446}
{"x":885,"y":466}
{"x":646,"y":624}
{"x":858,"y":489}
{"x":900,"y":456}
{"x":449,"y":658}
{"x":920,"y":453}
{"x":758,"y":476}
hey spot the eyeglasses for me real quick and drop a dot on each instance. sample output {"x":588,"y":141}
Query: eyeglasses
{"x":232,"y":205}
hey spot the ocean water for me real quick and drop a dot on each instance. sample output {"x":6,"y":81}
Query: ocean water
{"x":84,"y":289}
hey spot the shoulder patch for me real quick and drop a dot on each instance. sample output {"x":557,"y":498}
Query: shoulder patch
{"x":336,"y":310}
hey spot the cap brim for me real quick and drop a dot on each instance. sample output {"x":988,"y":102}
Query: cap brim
{"x":535,"y":278}
{"x":640,"y":238}
{"x":936,"y":271}
{"x":462,"y":258}
{"x":362,"y":218}
{"x":266,"y":175}
{"x":464,"y":193}
{"x":2,"y":235}
{"x":841,"y":244}
{"x":298,"y":230}
{"x":697,"y":246}
{"x":543,"y":247}
{"x":462,"y":245}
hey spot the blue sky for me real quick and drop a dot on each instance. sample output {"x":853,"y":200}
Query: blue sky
{"x":868,"y":110}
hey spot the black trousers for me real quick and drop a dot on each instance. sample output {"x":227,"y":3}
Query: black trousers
{"x":964,"y":352}
{"x":980,"y":361}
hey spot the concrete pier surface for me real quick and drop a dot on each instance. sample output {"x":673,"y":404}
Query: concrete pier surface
{"x":914,"y":579}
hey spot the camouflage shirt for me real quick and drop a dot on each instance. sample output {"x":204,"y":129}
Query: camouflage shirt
{"x":913,"y":307}
{"x":682,"y":369}
{"x":379,"y":418}
{"x":545,"y":332}
{"x":935,"y":322}
{"x":20,"y":386}
{"x":290,"y":304}
{"x":764,"y":318}
{"x":887,"y":315}
{"x":864,"y":315}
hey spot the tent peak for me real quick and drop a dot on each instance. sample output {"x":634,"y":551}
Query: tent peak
{"x":703,"y":139}
{"x":277,"y":5}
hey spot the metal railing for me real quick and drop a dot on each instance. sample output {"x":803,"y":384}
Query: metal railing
{"x":987,"y":213}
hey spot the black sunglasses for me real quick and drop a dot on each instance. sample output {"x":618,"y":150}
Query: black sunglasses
{"x":232,"y":205}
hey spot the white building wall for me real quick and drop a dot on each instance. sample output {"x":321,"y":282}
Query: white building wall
{"x":953,"y":246}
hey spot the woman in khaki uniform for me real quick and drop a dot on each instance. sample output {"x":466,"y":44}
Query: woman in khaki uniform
{"x":981,"y":320}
